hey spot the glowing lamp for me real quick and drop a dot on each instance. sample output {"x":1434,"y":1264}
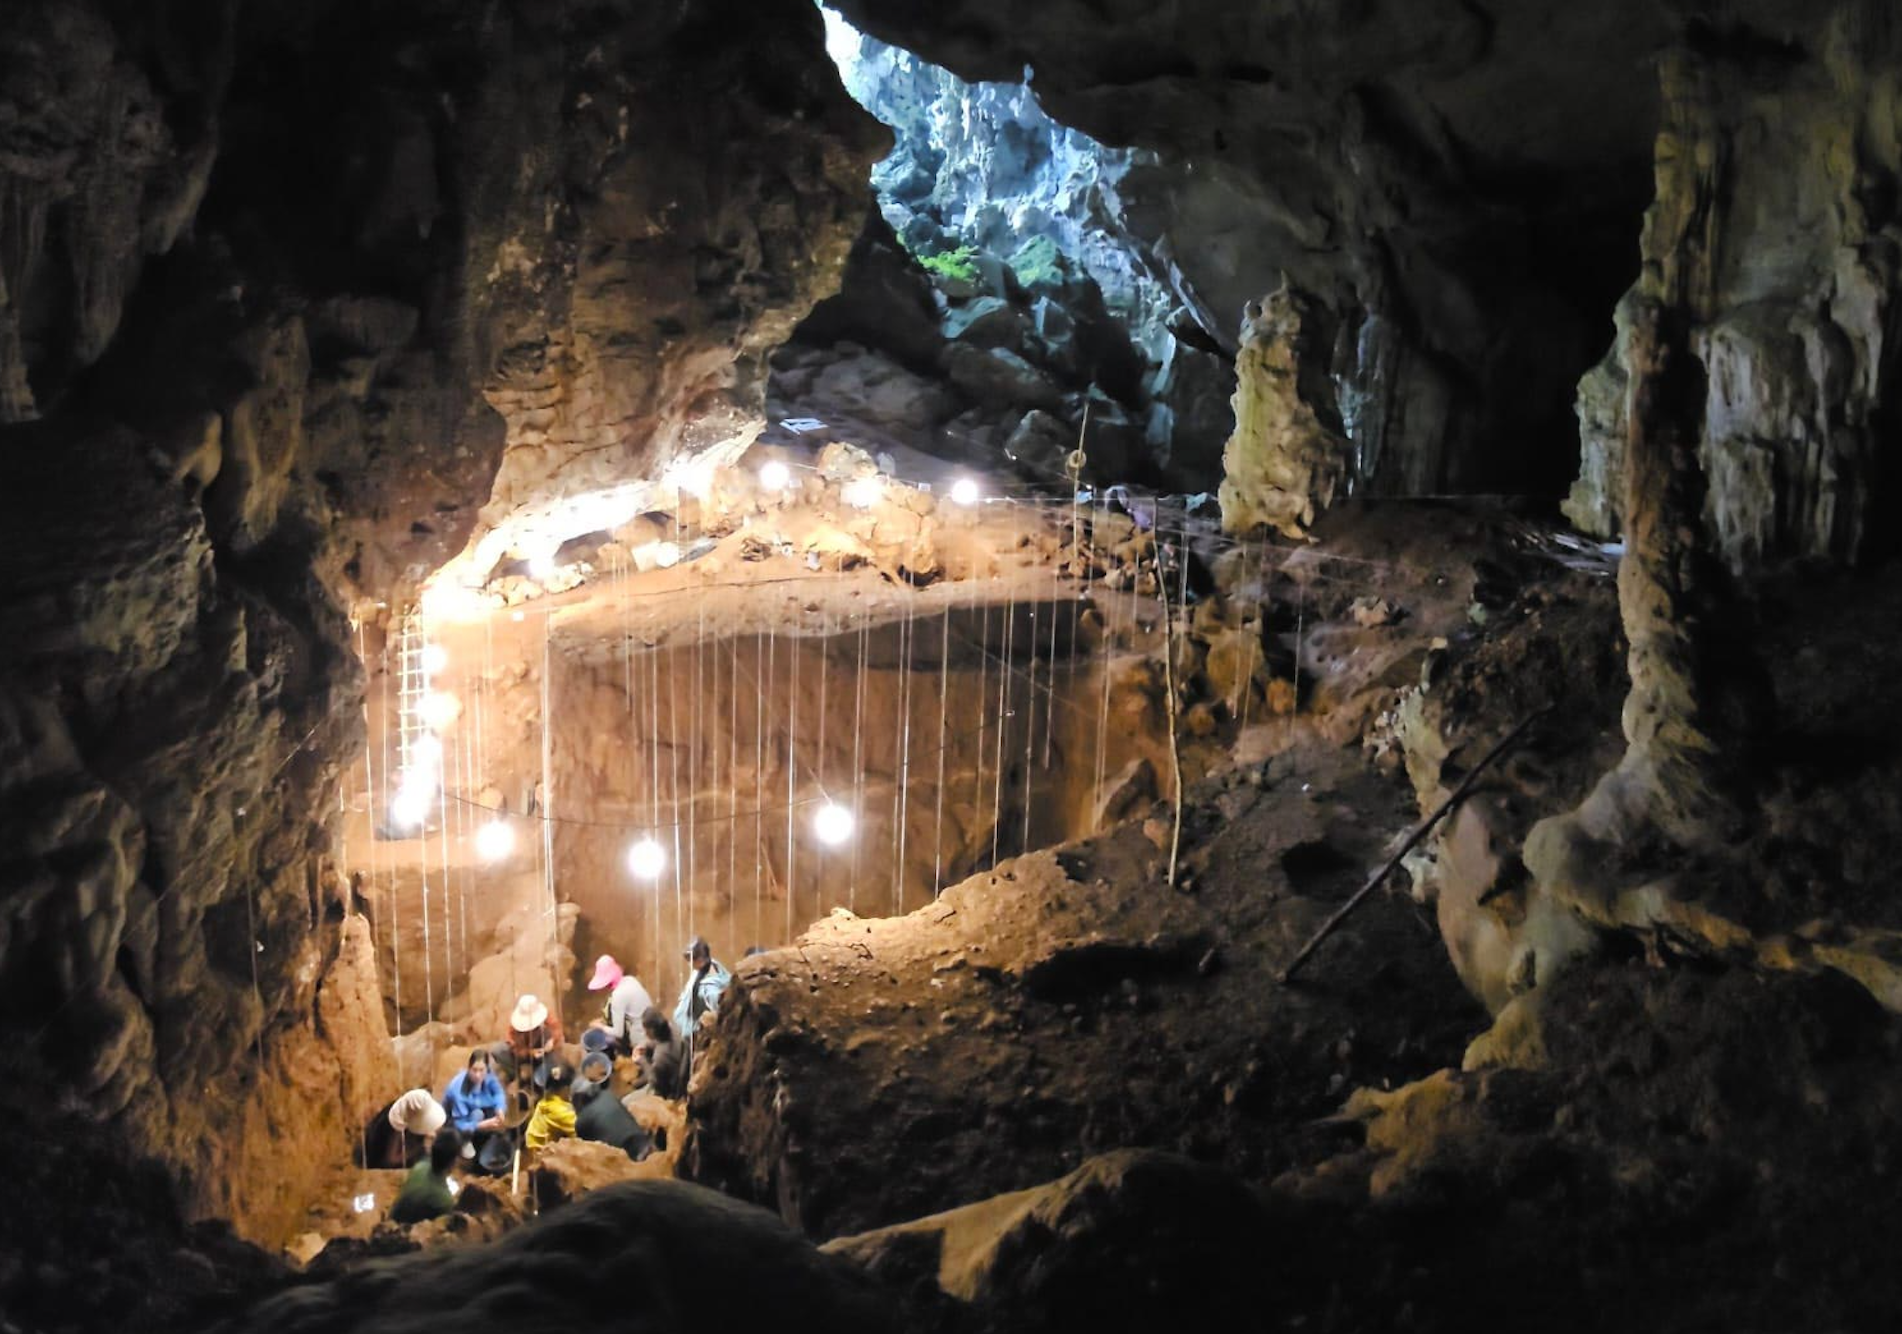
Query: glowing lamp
{"x":451,"y":601}
{"x":964,"y":491}
{"x":438,"y":709}
{"x":434,"y":658}
{"x":426,"y":754}
{"x":410,"y":806}
{"x":862,"y":492}
{"x":646,"y":859}
{"x":775,"y":476}
{"x":833,"y":824}
{"x":495,"y":840}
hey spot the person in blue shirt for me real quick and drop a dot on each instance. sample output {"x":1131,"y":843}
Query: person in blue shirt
{"x":706,"y":984}
{"x":475,"y":1101}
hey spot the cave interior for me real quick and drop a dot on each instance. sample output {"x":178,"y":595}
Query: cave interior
{"x":1253,"y":630}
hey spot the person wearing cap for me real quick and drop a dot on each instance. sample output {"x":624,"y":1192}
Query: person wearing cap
{"x":627,"y":1001}
{"x":601,"y":1116}
{"x":701,"y":996}
{"x":554,"y":1116}
{"x":398,"y":1135}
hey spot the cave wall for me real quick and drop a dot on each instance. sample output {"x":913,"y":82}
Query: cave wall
{"x":280,"y":287}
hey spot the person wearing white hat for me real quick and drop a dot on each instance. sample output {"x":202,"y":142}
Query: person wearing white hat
{"x":627,"y":1002}
{"x":533,"y":1032}
{"x":400,"y":1134}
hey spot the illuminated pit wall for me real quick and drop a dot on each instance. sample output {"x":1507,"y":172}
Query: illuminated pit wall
{"x":689,"y":742}
{"x":443,"y":913}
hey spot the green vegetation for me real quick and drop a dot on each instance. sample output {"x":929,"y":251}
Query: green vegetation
{"x":952,"y":264}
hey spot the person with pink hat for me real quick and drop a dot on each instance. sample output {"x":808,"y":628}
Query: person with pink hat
{"x":627,"y":1002}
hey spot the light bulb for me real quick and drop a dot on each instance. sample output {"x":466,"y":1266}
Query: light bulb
{"x":410,"y":806}
{"x":438,"y":709}
{"x":832,"y":823}
{"x":434,"y":658}
{"x":495,"y":840}
{"x":541,"y":568}
{"x":862,"y":492}
{"x":426,"y":754}
{"x":964,"y":491}
{"x":774,"y":475}
{"x":646,"y":859}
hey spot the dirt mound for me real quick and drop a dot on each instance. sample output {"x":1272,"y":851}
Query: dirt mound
{"x":1070,"y":1004}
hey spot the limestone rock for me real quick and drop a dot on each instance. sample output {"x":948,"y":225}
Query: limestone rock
{"x":999,"y":377}
{"x":1454,"y":334}
{"x":1287,"y":457}
{"x":872,"y":388}
{"x":1792,"y":348}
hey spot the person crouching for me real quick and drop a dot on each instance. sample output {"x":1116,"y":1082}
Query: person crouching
{"x":601,"y":1116}
{"x":427,"y":1192}
{"x":554,"y":1115}
{"x":400,"y":1134}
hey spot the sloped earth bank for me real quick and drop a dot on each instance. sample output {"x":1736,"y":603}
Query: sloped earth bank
{"x":1072,"y":1002}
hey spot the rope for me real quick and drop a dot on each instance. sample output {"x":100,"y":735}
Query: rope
{"x":944,"y":700}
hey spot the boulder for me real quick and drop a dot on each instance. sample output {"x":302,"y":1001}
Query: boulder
{"x":1130,"y":1240}
{"x":876,"y":389}
{"x":999,"y":378}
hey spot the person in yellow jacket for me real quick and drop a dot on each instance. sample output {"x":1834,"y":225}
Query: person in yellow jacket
{"x":554,"y":1115}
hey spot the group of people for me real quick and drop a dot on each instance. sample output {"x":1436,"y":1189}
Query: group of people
{"x":569,"y":1099}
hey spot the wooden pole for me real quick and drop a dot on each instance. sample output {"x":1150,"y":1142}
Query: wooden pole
{"x":1169,"y":685}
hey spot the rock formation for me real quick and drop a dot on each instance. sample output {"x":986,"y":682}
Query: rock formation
{"x":265,"y":341}
{"x":1775,"y":225}
{"x":1288,"y":457}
